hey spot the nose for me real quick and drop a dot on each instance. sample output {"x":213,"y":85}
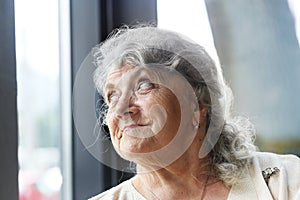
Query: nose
{"x":126,"y":107}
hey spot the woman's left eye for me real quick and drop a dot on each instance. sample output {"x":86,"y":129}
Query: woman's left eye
{"x":145,"y":87}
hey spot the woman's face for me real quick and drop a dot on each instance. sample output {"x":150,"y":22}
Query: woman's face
{"x":144,"y":111}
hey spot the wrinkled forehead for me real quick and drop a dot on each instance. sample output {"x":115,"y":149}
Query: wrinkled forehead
{"x":118,"y":73}
{"x":153,"y":71}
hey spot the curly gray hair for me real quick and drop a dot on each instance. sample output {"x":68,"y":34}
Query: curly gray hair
{"x":232,"y":152}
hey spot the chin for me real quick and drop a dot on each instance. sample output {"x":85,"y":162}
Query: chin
{"x":131,"y":144}
{"x":132,"y":148}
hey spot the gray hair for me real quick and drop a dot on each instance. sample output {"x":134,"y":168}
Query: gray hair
{"x":138,"y":46}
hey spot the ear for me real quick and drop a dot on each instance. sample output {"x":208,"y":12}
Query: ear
{"x":203,"y":113}
{"x":196,"y":118}
{"x":200,"y":115}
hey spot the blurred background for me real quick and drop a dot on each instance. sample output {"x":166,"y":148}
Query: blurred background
{"x":255,"y":41}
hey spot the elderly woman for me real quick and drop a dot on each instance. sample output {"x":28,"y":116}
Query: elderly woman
{"x":168,"y":111}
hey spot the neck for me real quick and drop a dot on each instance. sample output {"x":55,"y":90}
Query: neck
{"x":186,"y":177}
{"x":179,"y":181}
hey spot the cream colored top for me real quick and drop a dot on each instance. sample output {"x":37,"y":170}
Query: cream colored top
{"x":284,"y":185}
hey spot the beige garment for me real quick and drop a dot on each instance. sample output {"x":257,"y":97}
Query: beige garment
{"x":284,"y":185}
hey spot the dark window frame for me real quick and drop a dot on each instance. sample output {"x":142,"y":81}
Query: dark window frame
{"x":8,"y":104}
{"x":91,"y":22}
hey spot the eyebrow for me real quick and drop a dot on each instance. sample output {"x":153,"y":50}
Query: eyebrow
{"x":109,"y":86}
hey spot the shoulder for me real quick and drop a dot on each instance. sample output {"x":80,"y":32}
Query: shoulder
{"x":286,"y":179}
{"x":289,"y":165}
{"x":123,"y":191}
{"x":286,"y":161}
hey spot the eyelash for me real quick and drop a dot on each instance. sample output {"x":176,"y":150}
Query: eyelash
{"x":149,"y":86}
{"x":109,"y":96}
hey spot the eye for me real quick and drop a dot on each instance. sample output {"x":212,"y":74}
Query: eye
{"x":112,"y":97}
{"x":145,"y":87}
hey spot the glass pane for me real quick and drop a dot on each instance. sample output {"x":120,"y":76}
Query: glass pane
{"x":295,"y":9}
{"x":262,"y":67}
{"x":37,"y":48}
{"x":192,"y":21}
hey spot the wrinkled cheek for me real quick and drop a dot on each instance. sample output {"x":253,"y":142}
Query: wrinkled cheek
{"x":111,"y":126}
{"x":112,"y":131}
{"x":159,"y":116}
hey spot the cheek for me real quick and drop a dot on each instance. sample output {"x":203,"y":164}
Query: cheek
{"x":159,"y":117}
{"x":110,"y":122}
{"x":164,"y":111}
{"x":171,"y":104}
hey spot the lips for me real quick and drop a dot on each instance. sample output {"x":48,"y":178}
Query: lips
{"x":137,"y":131}
{"x":132,"y":126}
{"x":134,"y":129}
{"x":121,"y":127}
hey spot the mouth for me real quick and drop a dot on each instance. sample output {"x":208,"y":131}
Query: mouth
{"x":141,"y":131}
{"x":128,"y":129}
{"x":132,"y":126}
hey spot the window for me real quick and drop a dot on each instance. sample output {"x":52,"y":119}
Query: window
{"x":192,"y":21}
{"x":44,"y":115}
{"x":260,"y":57}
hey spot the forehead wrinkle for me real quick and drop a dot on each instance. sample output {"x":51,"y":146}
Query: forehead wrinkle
{"x":121,"y":70}
{"x":113,"y":74}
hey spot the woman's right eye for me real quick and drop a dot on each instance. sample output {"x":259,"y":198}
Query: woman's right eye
{"x":145,"y":87}
{"x":112,"y":97}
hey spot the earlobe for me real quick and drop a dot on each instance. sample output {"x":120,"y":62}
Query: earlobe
{"x":196,"y":119}
{"x":199,"y":117}
{"x":200,"y":114}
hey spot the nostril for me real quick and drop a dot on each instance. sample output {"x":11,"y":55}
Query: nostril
{"x":124,"y":110}
{"x":118,"y":116}
{"x":128,"y":113}
{"x":124,"y":114}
